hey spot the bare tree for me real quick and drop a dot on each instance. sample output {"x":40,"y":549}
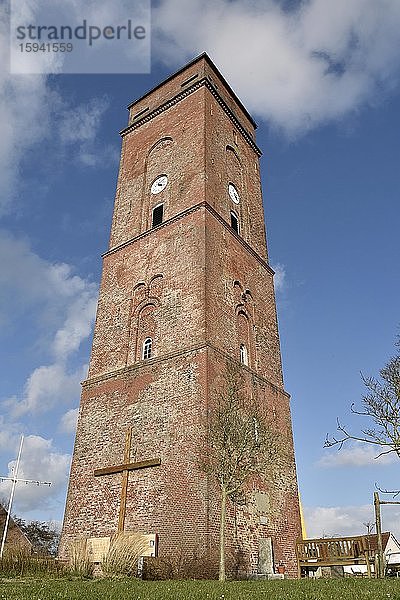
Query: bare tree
{"x":369,"y":525}
{"x":381,"y":404}
{"x":44,"y":536}
{"x":240,"y":445}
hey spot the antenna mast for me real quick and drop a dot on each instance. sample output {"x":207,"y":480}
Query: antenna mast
{"x":15,"y":480}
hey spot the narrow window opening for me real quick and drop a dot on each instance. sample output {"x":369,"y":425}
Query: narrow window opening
{"x":234,"y":222}
{"x":147,"y":346}
{"x":244,"y":358}
{"x":158,"y":214}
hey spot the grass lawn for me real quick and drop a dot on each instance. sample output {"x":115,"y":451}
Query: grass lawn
{"x":130,"y":589}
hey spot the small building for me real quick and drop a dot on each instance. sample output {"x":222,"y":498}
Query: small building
{"x":391,"y":551}
{"x":15,"y":536}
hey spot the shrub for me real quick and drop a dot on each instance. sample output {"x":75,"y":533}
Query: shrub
{"x":180,"y":566}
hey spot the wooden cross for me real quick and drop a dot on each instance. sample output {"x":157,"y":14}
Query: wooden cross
{"x":124,"y":469}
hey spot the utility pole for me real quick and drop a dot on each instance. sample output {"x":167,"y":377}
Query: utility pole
{"x":380,"y":571}
{"x":15,"y":480}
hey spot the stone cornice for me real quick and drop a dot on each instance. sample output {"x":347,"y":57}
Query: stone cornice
{"x":193,"y":88}
{"x":203,"y":56}
{"x":182,"y":215}
{"x":122,"y":371}
{"x":145,"y":234}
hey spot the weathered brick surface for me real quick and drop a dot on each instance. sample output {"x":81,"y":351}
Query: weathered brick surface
{"x":177,"y":252}
{"x":180,"y":83}
{"x":171,"y":143}
{"x":199,"y":290}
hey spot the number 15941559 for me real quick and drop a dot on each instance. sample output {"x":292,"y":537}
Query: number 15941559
{"x":46,"y":47}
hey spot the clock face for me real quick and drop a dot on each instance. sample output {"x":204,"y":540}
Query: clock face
{"x":233,"y":193}
{"x":159,"y":184}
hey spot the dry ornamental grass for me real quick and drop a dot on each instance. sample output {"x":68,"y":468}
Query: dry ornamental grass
{"x":79,"y":559}
{"x":123,"y":554}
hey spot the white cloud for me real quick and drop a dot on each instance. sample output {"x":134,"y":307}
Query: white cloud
{"x":40,"y":461}
{"x":80,"y":124}
{"x":280,"y":277}
{"x":337,"y":520}
{"x":357,"y":455}
{"x":79,"y":127}
{"x":31,"y":110}
{"x":347,"y":520}
{"x":30,"y":279}
{"x":8,"y":433}
{"x":294,"y":68}
{"x":46,"y":387}
{"x":61,"y":300}
{"x":24,"y":117}
{"x":68,"y":421}
{"x":77,"y":326}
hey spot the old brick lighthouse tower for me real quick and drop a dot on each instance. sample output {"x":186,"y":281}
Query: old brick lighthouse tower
{"x":186,"y":286}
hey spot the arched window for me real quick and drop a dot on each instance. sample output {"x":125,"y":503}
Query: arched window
{"x":244,"y":357}
{"x":158,"y":214}
{"x":147,"y":346}
{"x":234,"y":222}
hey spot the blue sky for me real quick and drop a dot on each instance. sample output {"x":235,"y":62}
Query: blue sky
{"x":322,"y":81}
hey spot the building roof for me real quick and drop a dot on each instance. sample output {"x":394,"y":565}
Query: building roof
{"x":373,"y":540}
{"x":15,"y":535}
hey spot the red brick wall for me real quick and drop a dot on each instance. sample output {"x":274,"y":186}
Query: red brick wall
{"x":171,"y":143}
{"x":198,"y":290}
{"x":175,"y":251}
{"x":230,"y":158}
{"x":229,"y":261}
{"x":164,"y":403}
{"x":279,"y":483}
